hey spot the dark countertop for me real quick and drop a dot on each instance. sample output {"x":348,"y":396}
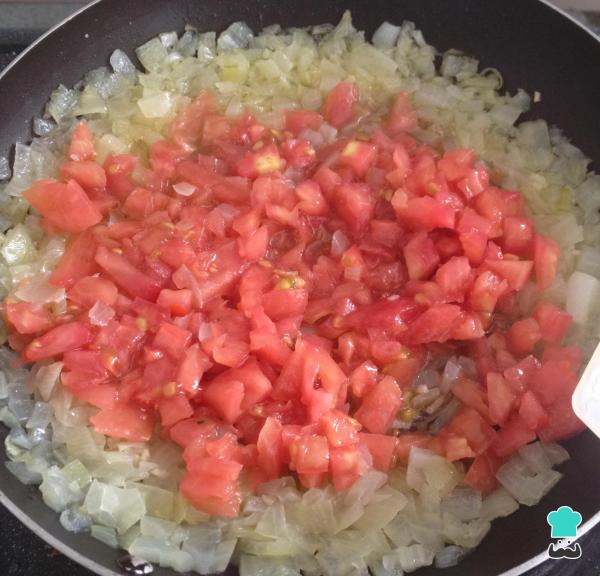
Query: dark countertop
{"x":21,"y":552}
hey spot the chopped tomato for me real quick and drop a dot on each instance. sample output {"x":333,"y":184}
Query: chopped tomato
{"x":92,"y":289}
{"x":382,"y":449}
{"x":28,"y":318}
{"x":532,"y":412}
{"x":58,"y":340}
{"x":125,"y":422}
{"x":88,"y":174}
{"x":346,"y":465}
{"x":512,"y":436}
{"x":339,"y":106}
{"x":82,"y":146}
{"x":380,"y":406}
{"x":67,"y":206}
{"x":553,"y":322}
{"x":546,"y":253}
{"x":296,"y":121}
{"x":481,"y":474}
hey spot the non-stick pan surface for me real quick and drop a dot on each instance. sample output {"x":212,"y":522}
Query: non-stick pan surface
{"x":534,"y":46}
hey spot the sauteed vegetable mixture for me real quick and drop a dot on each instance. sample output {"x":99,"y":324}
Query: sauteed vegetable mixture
{"x":295,"y":301}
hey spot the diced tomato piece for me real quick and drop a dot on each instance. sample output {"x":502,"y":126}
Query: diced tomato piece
{"x":118,"y":171}
{"x":340,"y":429}
{"x":172,"y":339}
{"x":88,"y":174}
{"x":355,"y":203}
{"x":572,"y":355}
{"x":346,"y":465}
{"x":481,"y":474}
{"x":523,"y":335}
{"x":226,"y":397}
{"x":124,"y":421}
{"x":474,"y":231}
{"x":339,"y":105}
{"x":469,"y":327}
{"x":456,"y":164}
{"x":554,"y":380}
{"x":436,"y":324}
{"x":519,"y":376}
{"x":296,"y":121}
{"x":546,"y":253}
{"x":212,"y":487}
{"x":266,"y":161}
{"x":458,"y":449}
{"x":454,"y":276}
{"x":469,"y":424}
{"x":380,"y":406}
{"x":402,"y":117}
{"x":485,"y":291}
{"x":126,"y":275}
{"x":192,"y":368}
{"x":532,"y":412}
{"x":63,"y":338}
{"x":285,"y":302}
{"x":422,"y":213}
{"x":363,"y":378}
{"x":174,"y":409}
{"x":92,"y":289}
{"x":515,"y":272}
{"x":518,"y":235}
{"x":512,"y":436}
{"x":382,"y":449}
{"x":186,"y":129}
{"x":298,"y":153}
{"x":500,"y":397}
{"x":562,"y":422}
{"x":27,"y":318}
{"x":405,"y":441}
{"x":270,"y":448}
{"x":471,"y":394}
{"x":554,"y":323}
{"x":358,"y":156}
{"x":310,"y":454}
{"x":82,"y":146}
{"x":420,"y":256}
{"x":67,"y":206}
{"x":176,"y":302}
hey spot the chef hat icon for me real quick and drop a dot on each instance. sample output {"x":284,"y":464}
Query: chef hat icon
{"x":564,"y":522}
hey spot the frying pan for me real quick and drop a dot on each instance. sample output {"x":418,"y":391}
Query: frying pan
{"x":535,"y":46}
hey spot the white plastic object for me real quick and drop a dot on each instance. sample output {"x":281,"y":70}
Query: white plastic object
{"x":586,"y":398}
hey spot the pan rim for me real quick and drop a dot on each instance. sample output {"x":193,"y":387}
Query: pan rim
{"x":101,"y":570}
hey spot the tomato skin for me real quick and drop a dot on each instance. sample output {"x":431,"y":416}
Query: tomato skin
{"x":81,"y":147}
{"x":339,"y":106}
{"x":380,"y":406}
{"x":63,"y":338}
{"x":28,"y":318}
{"x":67,"y":206}
{"x":125,"y":422}
{"x":518,"y":233}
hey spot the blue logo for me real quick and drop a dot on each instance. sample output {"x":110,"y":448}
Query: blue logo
{"x":564,"y":523}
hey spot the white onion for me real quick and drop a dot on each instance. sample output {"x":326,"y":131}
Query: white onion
{"x":449,"y":556}
{"x":105,"y":534}
{"x":339,"y":243}
{"x":100,"y":314}
{"x":583,"y":296}
{"x":386,"y":35}
{"x":121,"y":63}
{"x":184,"y":188}
{"x":73,"y":520}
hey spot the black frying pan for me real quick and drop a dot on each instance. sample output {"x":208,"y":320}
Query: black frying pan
{"x":533,"y":45}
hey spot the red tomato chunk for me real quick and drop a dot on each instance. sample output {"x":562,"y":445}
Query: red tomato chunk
{"x":272,"y":318}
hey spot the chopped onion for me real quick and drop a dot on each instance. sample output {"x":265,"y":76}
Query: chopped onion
{"x":105,"y":534}
{"x":463,"y":503}
{"x":583,"y":296}
{"x":238,"y":35}
{"x":386,"y":35}
{"x":408,"y":558}
{"x":121,"y":63}
{"x":100,"y":314}
{"x":73,"y":520}
{"x":184,"y":188}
